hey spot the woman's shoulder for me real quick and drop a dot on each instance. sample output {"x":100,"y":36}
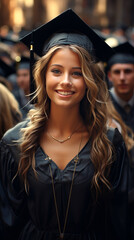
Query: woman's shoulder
{"x":14,"y":134}
{"x":9,"y":144}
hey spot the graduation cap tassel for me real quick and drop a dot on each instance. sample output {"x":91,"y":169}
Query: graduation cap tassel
{"x":32,"y":83}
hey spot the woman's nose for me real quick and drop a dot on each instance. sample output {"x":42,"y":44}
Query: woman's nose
{"x":66,"y":80}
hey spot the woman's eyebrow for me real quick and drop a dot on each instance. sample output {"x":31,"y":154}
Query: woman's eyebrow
{"x":58,"y":65}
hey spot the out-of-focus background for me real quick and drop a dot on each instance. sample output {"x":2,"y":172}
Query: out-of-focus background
{"x":109,"y":16}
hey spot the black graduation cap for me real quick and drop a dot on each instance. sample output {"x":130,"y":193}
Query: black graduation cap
{"x":23,"y":32}
{"x":101,"y":34}
{"x":24,"y":63}
{"x":125,"y":48}
{"x":124,"y":53}
{"x":67,"y":22}
{"x":5,"y":69}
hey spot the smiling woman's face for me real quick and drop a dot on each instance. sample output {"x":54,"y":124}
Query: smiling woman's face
{"x":65,"y":84}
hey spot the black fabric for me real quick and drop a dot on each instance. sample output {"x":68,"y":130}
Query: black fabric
{"x":69,"y":39}
{"x":121,"y":58}
{"x":124,"y":53}
{"x":131,"y":199}
{"x":32,"y":216}
{"x":5,"y":69}
{"x":128,"y":118}
{"x":24,"y":63}
{"x":125,"y":48}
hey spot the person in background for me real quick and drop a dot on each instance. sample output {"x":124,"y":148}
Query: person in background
{"x":120,"y":32}
{"x":63,"y":171}
{"x":23,"y":83}
{"x":10,"y":114}
{"x":23,"y":75}
{"x":9,"y":73}
{"x":121,"y":74}
{"x":115,"y":120}
{"x":131,"y":36}
{"x":5,"y":69}
{"x":6,"y":54}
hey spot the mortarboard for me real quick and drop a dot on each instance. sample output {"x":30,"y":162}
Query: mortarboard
{"x":24,"y":63}
{"x":5,"y":69}
{"x":67,"y":28}
{"x":100,"y":33}
{"x":124,"y":53}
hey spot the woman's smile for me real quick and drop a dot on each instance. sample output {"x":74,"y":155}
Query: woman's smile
{"x":65,"y":93}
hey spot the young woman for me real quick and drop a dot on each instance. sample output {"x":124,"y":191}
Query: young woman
{"x":63,"y":171}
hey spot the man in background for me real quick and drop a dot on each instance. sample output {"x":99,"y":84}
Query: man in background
{"x":121,"y":74}
{"x":23,"y":75}
{"x":23,"y":82}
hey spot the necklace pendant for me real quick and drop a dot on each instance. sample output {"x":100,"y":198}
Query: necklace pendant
{"x":76,"y":159}
{"x":61,"y":235}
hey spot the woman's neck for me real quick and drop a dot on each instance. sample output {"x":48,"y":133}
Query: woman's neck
{"x":64,"y":121}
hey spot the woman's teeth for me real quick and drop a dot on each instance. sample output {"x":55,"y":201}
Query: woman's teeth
{"x":65,"y":93}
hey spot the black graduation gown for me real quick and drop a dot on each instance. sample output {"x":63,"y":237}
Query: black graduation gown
{"x":32,"y":216}
{"x":128,"y":118}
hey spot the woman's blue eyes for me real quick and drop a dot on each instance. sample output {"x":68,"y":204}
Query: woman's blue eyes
{"x":75,"y":73}
{"x":56,"y":71}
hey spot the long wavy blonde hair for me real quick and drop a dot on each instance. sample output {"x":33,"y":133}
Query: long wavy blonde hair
{"x":93,"y":109}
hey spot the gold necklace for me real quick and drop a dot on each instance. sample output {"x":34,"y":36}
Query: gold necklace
{"x":62,"y":140}
{"x":61,"y":233}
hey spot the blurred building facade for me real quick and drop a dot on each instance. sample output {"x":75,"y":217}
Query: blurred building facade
{"x":28,"y":14}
